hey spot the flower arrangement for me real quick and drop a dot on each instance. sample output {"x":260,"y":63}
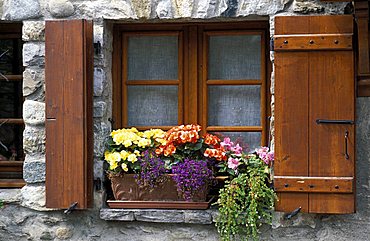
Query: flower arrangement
{"x":246,"y":198}
{"x":193,"y":159}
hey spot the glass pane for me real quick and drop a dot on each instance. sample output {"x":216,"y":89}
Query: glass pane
{"x":234,"y":57}
{"x":6,"y":56}
{"x":152,"y":105}
{"x":10,"y":99}
{"x":152,"y":58}
{"x":11,"y":148}
{"x":248,"y":140}
{"x":234,"y":105}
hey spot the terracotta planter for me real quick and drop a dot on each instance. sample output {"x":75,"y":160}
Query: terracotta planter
{"x":125,"y":188}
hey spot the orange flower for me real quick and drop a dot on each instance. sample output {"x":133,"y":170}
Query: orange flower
{"x":170,"y":149}
{"x":218,"y":154}
{"x":212,"y":140}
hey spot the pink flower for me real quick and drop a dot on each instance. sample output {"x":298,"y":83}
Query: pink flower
{"x":236,"y":149}
{"x":233,"y":163}
{"x":266,"y":156}
{"x":226,"y":144}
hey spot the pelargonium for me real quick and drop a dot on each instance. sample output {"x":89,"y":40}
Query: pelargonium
{"x":266,"y":155}
{"x":191,"y":177}
{"x":152,"y":170}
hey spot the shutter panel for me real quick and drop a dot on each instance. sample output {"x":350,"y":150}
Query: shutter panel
{"x":69,"y":139}
{"x":314,"y":114}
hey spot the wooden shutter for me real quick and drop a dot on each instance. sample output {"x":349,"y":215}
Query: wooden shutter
{"x":69,"y":139}
{"x":363,"y":57}
{"x":314,"y":114}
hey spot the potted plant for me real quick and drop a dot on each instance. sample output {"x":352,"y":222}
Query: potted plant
{"x":247,"y":198}
{"x":154,"y":161}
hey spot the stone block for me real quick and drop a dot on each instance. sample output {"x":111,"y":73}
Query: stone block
{"x":64,"y":233}
{"x":260,"y":7}
{"x":197,"y":217}
{"x":116,"y":214}
{"x":10,"y":195}
{"x":34,"y":140}
{"x":34,"y":169}
{"x":301,"y":220}
{"x":33,"y":31}
{"x":311,"y":6}
{"x":183,"y":8}
{"x":142,"y":8}
{"x":100,"y":108}
{"x":114,"y":9}
{"x":33,"y":112}
{"x":160,"y":216}
{"x":164,"y":9}
{"x":33,"y":196}
{"x":34,"y":54}
{"x":21,"y":9}
{"x":98,"y":81}
{"x":61,"y":8}
{"x":33,"y":81}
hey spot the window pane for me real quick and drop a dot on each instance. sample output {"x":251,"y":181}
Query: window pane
{"x":11,"y":148}
{"x":234,"y":57}
{"x":7,"y":58}
{"x":10,"y":99}
{"x":152,"y":105}
{"x":234,"y":105}
{"x":152,"y":58}
{"x":248,"y":140}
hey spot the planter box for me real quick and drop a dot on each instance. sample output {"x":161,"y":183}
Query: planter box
{"x":129,"y":195}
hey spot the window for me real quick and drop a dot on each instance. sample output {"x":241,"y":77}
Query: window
{"x":210,"y":74}
{"x":11,"y":100}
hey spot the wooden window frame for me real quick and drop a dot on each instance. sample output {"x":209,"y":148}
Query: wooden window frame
{"x":12,"y":31}
{"x":193,"y":56}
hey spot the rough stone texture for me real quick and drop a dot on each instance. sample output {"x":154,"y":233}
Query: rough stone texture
{"x":260,"y":7}
{"x":10,"y":195}
{"x":21,"y":9}
{"x":163,"y":9}
{"x":33,"y":31}
{"x":101,"y":132}
{"x":61,"y":8}
{"x":34,"y":169}
{"x":33,"y":112}
{"x":33,"y":54}
{"x":315,"y":6}
{"x":33,"y":196}
{"x":98,"y":82}
{"x":183,"y":8}
{"x":34,"y":140}
{"x":33,"y":81}
{"x":64,"y":233}
{"x":100,"y":108}
{"x":142,"y":8}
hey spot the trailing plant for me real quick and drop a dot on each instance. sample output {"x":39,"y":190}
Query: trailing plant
{"x":191,"y":177}
{"x":246,"y":200}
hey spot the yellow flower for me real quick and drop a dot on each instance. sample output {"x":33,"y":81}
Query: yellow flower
{"x":124,"y":167}
{"x":113,"y":166}
{"x":137,"y":153}
{"x":144,"y":142}
{"x":124,"y":155}
{"x":132,"y":158}
{"x":113,"y":159}
{"x":127,"y":143}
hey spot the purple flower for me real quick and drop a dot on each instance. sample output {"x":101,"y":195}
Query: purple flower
{"x":191,"y":176}
{"x":152,"y":170}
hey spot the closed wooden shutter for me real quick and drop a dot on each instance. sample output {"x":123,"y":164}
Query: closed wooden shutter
{"x":69,"y":139}
{"x":314,"y":114}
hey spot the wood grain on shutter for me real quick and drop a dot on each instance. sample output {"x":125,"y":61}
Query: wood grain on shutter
{"x":311,"y":167}
{"x":68,"y":77}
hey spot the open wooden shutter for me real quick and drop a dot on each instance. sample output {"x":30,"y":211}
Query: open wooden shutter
{"x":314,"y":114}
{"x":69,"y":139}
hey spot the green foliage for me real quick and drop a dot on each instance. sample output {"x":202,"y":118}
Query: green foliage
{"x":1,"y":203}
{"x":246,"y":201}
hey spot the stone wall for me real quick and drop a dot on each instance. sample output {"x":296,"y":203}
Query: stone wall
{"x":24,"y":216}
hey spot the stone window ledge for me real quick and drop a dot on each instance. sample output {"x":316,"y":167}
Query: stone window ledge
{"x":10,"y":195}
{"x":160,"y":215}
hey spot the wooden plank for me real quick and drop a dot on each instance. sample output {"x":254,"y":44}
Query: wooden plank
{"x":363,"y":64}
{"x":12,"y":183}
{"x":235,"y":128}
{"x":331,"y":97}
{"x":235,"y":82}
{"x":11,"y":77}
{"x":313,"y":24}
{"x":17,"y":121}
{"x":291,"y":123}
{"x":192,"y":96}
{"x":313,"y":184}
{"x":363,"y":84}
{"x":69,"y":130}
{"x":313,"y":42}
{"x":11,"y":166}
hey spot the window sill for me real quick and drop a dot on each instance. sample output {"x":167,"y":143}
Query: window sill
{"x":10,"y":195}
{"x":160,"y":215}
